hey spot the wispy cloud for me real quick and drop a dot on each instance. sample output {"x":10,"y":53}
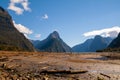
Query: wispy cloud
{"x":19,"y":10}
{"x":108,"y":32}
{"x":45,"y":16}
{"x":23,"y":29}
{"x":37,"y":35}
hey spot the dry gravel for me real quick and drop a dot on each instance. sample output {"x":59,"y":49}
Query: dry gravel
{"x":28,"y":66}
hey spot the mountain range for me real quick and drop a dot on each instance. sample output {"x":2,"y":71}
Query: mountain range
{"x":92,"y":45}
{"x":10,"y":38}
{"x":53,"y":43}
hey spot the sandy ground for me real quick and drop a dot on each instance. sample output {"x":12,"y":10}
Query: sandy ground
{"x":28,"y":66}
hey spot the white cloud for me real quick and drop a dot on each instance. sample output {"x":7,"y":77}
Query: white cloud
{"x":45,"y":16}
{"x":18,"y":10}
{"x":108,"y":32}
{"x":37,"y":35}
{"x":25,"y":4}
{"x":22,"y":29}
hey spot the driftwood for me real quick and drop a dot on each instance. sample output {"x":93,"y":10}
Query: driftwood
{"x":63,"y":72}
{"x":105,"y":75}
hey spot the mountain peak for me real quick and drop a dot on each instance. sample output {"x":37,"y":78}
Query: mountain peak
{"x":93,"y":44}
{"x":55,"y":34}
{"x":53,"y":43}
{"x":2,"y":9}
{"x":98,"y":37}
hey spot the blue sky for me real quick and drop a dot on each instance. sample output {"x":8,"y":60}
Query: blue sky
{"x":71,"y":18}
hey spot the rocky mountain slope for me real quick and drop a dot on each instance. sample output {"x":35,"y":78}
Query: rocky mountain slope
{"x":10,"y":38}
{"x":114,"y":46}
{"x":115,"y":43}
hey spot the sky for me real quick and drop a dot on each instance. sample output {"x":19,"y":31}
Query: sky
{"x":75,"y":20}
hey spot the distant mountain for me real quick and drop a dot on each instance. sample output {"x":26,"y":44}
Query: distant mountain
{"x":84,"y":47}
{"x":92,"y":45}
{"x":35,"y":42}
{"x":115,"y":43}
{"x":99,"y":43}
{"x":10,"y":38}
{"x":53,"y":43}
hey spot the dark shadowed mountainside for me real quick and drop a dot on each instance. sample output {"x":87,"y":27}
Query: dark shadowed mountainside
{"x":115,"y":43}
{"x":114,"y":46}
{"x":10,"y":38}
{"x":53,"y":43}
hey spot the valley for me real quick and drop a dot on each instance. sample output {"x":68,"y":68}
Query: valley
{"x":24,"y":55}
{"x":58,"y":66}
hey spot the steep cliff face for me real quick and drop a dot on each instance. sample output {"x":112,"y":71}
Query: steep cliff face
{"x":53,"y":43}
{"x":10,"y":38}
{"x":115,"y":43}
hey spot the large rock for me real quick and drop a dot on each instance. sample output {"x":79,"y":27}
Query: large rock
{"x":10,"y":38}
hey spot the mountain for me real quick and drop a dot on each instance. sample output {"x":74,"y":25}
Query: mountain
{"x":10,"y":38}
{"x":92,"y":45}
{"x":115,"y":43}
{"x":53,"y":43}
{"x":35,"y":42}
{"x":114,"y":46}
{"x":84,"y":47}
{"x":98,"y":43}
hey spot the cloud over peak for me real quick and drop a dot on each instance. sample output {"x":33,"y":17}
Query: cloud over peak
{"x":108,"y":32}
{"x":19,"y":10}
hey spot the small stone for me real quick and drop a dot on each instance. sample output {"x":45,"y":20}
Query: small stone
{"x":14,"y":77}
{"x":45,"y":78}
{"x":4,"y":65}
